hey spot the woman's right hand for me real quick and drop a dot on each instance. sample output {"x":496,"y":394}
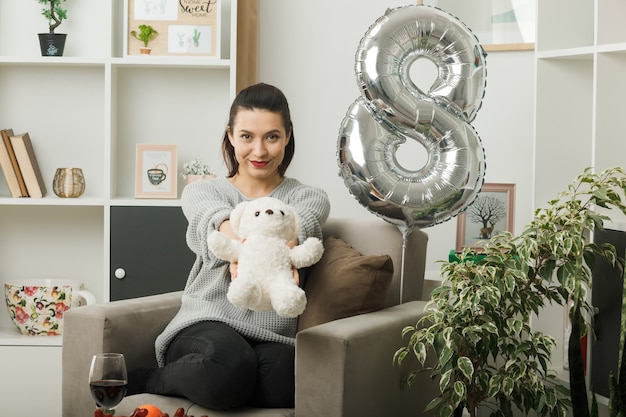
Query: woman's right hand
{"x":233,"y":270}
{"x":225,"y":228}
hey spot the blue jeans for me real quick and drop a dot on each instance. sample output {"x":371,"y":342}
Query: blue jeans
{"x":212,"y":365}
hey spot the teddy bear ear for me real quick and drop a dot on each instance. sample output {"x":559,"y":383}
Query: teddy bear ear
{"x":236,"y":214}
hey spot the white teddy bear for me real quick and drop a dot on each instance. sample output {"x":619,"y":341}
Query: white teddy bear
{"x":265,"y":277}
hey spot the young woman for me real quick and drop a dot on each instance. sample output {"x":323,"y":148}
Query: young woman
{"x":213,"y":353}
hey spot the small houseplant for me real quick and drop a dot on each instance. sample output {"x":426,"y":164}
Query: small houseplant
{"x":478,"y":321}
{"x":145,"y":35}
{"x":196,"y":170}
{"x":51,"y":43}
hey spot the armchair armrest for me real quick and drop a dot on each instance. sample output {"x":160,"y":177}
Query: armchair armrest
{"x":127,"y":326}
{"x":345,"y":368}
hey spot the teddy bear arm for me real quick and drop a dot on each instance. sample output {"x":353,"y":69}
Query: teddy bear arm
{"x":307,"y":253}
{"x":223,"y":246}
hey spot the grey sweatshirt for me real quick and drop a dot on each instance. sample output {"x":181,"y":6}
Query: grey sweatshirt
{"x":206,"y":204}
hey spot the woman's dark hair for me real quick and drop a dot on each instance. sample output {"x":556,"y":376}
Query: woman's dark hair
{"x":260,"y":97}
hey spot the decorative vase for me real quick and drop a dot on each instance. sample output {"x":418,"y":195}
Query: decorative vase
{"x":69,"y":182}
{"x":52,"y":44}
{"x":193,"y":178}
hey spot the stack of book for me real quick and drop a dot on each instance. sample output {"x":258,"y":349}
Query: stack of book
{"x":19,"y":165}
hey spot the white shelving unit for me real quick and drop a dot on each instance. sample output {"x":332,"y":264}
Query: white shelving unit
{"x":580,"y":62}
{"x":89,"y":109}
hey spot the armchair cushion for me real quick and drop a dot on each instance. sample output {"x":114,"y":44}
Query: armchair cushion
{"x":345,"y":283}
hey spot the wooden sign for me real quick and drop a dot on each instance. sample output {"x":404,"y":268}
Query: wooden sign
{"x":185,"y":27}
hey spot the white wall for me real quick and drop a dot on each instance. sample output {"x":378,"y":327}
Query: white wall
{"x":307,"y":49}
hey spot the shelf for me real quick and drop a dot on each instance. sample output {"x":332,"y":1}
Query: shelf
{"x":51,"y":200}
{"x":131,"y":61}
{"x":172,"y":62}
{"x":89,"y":109}
{"x":579,"y":92}
{"x":45,"y":61}
{"x":584,"y":53}
{"x":617,"y":48}
{"x":10,"y":336}
{"x":619,"y":226}
{"x":146,"y":202}
{"x":88,"y":202}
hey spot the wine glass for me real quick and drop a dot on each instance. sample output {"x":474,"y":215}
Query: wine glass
{"x":107,"y":379}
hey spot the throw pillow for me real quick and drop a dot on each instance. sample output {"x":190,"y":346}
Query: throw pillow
{"x":344,"y":283}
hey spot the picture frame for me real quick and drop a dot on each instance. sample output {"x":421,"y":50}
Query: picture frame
{"x":499,"y":202}
{"x":499,"y":25}
{"x":185,"y":27}
{"x":156,"y":171}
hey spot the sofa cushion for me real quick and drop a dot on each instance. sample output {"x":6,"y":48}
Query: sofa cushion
{"x":344,"y":283}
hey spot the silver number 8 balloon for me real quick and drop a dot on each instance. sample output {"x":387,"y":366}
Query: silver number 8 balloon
{"x":393,"y":110}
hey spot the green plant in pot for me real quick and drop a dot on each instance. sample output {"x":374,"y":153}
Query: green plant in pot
{"x":145,"y":35}
{"x":51,"y":43}
{"x":478,"y":322}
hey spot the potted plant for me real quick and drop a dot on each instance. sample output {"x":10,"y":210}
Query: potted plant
{"x":478,"y":321}
{"x":197,"y":170}
{"x":51,"y":43}
{"x":145,"y":35}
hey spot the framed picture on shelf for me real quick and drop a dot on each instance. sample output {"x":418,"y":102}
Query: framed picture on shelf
{"x":499,"y":25}
{"x":184,"y":27}
{"x":155,"y":173}
{"x":491,"y":213}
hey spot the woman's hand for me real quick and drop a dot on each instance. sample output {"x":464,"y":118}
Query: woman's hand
{"x":294,"y":271}
{"x":226,"y":229}
{"x":233,"y":270}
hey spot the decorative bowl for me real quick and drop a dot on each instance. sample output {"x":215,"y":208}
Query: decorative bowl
{"x":37,"y":306}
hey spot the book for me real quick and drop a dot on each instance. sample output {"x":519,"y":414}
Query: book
{"x":10,"y":167}
{"x":29,"y":167}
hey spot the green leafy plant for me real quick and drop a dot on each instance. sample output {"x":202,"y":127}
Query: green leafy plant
{"x":477,"y":323}
{"x":53,"y":12}
{"x":145,"y":35}
{"x":196,"y":167}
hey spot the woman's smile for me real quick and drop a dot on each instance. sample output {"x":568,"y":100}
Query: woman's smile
{"x":259,"y":164}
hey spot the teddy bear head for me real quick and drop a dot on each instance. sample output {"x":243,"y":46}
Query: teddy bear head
{"x":266,"y":216}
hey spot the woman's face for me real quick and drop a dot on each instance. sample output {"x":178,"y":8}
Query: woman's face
{"x":259,"y":139}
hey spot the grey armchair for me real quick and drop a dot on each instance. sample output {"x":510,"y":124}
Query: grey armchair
{"x":343,"y":368}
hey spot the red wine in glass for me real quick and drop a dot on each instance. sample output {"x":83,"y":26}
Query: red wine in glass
{"x":108,"y":379}
{"x":108,"y":392}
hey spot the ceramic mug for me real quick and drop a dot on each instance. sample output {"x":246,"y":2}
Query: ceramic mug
{"x":37,"y":306}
